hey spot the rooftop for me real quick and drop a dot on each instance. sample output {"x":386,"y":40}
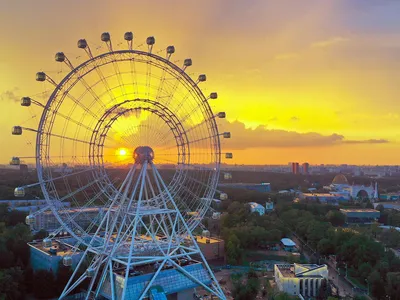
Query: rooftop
{"x":255,"y":205}
{"x":288,"y":242}
{"x":349,"y":210}
{"x":62,"y":249}
{"x":202,"y":240}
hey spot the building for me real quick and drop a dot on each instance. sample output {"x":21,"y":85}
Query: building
{"x":340,"y":184}
{"x":388,"y":205}
{"x":211,"y":247}
{"x":327,"y":198}
{"x":258,"y":208}
{"x":49,"y":259}
{"x":389,"y":197}
{"x":29,"y":206}
{"x":305,"y":168}
{"x":361,"y":215}
{"x":170,"y":283}
{"x":269,"y":206}
{"x":296,"y":279}
{"x":288,"y":245}
{"x":295,"y":168}
{"x":259,"y":187}
{"x":83,"y":217}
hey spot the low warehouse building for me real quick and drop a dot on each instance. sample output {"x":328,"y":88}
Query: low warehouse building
{"x":361,"y":215}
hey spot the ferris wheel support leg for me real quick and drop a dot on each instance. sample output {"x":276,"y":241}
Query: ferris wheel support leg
{"x":111,"y":229}
{"x":67,"y":289}
{"x":142,"y":180}
{"x":128,"y":179}
{"x":220,"y":293}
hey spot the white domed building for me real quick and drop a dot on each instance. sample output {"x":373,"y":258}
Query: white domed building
{"x":340,"y":185}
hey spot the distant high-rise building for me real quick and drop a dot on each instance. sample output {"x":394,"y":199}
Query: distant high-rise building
{"x":305,"y":167}
{"x":295,"y":168}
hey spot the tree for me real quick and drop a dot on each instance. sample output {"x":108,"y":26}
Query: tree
{"x":391,"y":238}
{"x":376,"y":284}
{"x":41,"y":234}
{"x":326,"y":247}
{"x":233,"y":250}
{"x":246,"y":289}
{"x":284,"y":296}
{"x":11,"y":283}
{"x":364,"y":270}
{"x":336,"y":218}
{"x":63,"y":275}
{"x":393,"y":285}
{"x":43,"y":284}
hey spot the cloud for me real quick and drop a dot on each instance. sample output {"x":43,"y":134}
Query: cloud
{"x":10,"y":95}
{"x":286,"y":56}
{"x":329,"y":42}
{"x":261,"y":137}
{"x":370,"y":141}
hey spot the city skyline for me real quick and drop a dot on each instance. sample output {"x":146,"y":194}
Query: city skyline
{"x":313,"y":81}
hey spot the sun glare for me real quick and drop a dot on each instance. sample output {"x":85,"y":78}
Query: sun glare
{"x":122,"y":152}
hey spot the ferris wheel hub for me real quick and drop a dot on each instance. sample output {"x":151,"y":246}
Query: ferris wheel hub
{"x":143,"y":154}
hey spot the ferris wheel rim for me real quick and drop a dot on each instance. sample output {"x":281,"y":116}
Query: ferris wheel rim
{"x":186,"y":79}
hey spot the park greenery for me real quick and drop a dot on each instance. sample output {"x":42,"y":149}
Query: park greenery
{"x":367,"y":260}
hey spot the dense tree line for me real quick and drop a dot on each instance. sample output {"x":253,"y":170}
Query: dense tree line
{"x":17,"y":278}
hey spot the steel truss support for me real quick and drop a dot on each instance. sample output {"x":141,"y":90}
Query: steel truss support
{"x":139,"y":229}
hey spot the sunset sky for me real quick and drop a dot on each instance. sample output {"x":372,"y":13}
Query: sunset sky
{"x":309,"y":80}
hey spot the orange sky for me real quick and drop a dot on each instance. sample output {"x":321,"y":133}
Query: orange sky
{"x":310,"y":80}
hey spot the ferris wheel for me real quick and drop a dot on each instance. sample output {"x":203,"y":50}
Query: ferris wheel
{"x":128,"y":157}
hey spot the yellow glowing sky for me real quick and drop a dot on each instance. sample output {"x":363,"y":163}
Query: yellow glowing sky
{"x":310,"y":80}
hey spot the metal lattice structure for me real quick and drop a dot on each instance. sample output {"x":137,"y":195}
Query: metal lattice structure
{"x":129,"y":140}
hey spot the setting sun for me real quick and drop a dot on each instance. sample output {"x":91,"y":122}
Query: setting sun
{"x":122,"y":152}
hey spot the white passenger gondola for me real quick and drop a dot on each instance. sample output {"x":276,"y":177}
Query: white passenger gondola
{"x":47,"y":243}
{"x":15,"y":161}
{"x":128,"y":36}
{"x":67,"y":261}
{"x":213,"y":95}
{"x":150,"y":41}
{"x":105,"y":37}
{"x":60,"y":56}
{"x":187,"y":62}
{"x":170,"y":50}
{"x":202,"y":78}
{"x":40,"y":76}
{"x":228,"y":155}
{"x":223,"y":196}
{"x":19,"y":192}
{"x":17,"y":130}
{"x":227,"y":176}
{"x":82,"y":44}
{"x":90,"y":272}
{"x":221,"y":115}
{"x":29,"y":220}
{"x":26,"y":101}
